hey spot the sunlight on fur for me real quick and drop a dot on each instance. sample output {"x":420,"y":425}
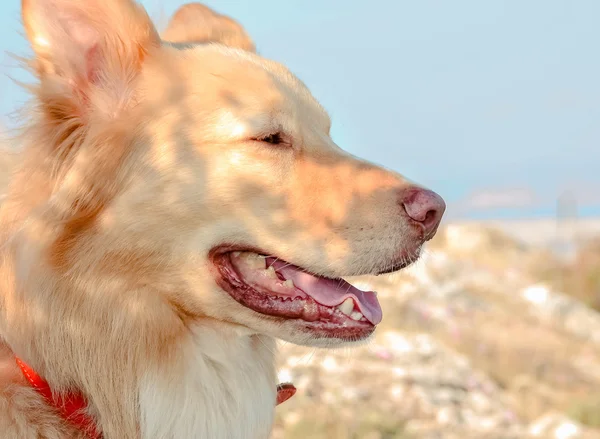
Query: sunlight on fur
{"x":163,"y":186}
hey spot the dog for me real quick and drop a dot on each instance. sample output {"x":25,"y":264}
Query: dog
{"x":179,"y":206}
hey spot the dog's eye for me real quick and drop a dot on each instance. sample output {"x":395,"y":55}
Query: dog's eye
{"x":273,"y":139}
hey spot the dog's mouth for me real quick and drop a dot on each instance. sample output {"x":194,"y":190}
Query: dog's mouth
{"x":325,"y":307}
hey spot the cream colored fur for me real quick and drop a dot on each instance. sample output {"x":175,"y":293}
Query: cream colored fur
{"x":207,"y":376}
{"x":139,"y":159}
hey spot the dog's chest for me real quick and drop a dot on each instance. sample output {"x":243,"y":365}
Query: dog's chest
{"x":226,"y":390}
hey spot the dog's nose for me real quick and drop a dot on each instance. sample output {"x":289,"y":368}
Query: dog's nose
{"x":425,"y":207}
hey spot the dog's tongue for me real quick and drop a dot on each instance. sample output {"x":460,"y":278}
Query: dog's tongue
{"x":330,"y":292}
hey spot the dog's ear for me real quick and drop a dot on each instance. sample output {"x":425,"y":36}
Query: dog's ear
{"x":196,"y":23}
{"x":85,"y":46}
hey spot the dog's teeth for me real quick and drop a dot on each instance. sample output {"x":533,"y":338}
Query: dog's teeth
{"x":237,"y":254}
{"x":356,"y":316}
{"x":289,"y":283}
{"x":270,"y":272}
{"x":258,"y":263}
{"x":253,"y":260}
{"x":347,"y":306}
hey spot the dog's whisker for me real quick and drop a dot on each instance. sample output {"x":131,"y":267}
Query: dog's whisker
{"x":259,"y":337}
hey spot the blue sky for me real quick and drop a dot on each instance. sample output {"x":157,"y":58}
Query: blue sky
{"x":495,"y":104}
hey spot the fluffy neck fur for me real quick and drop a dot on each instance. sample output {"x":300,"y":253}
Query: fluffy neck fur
{"x":223,"y":387}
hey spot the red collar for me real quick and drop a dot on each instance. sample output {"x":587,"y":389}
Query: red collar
{"x":72,"y":406}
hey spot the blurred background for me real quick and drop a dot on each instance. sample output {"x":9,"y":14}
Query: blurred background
{"x":495,"y":333}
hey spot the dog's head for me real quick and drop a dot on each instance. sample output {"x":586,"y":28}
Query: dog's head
{"x":207,"y":175}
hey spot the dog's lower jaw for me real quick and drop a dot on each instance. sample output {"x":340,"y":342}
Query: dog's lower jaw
{"x":221,"y":386}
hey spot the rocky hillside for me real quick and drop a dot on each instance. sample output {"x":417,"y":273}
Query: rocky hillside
{"x":475,"y":343}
